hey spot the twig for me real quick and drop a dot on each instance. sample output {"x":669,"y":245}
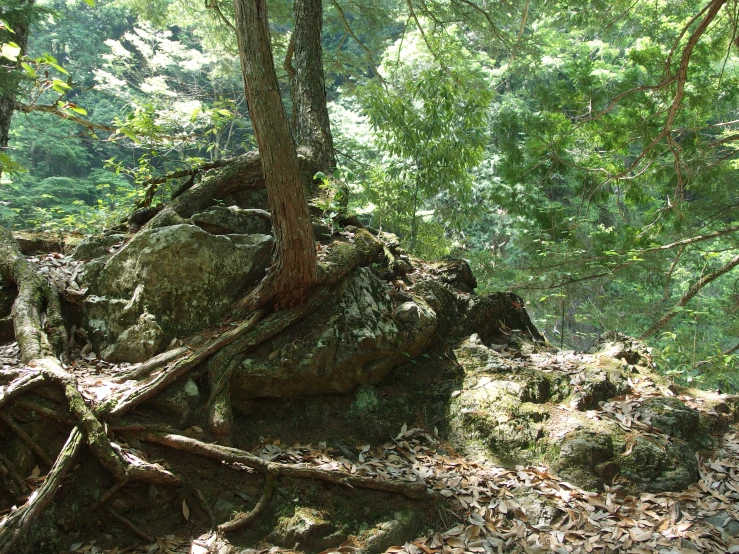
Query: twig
{"x":206,"y":508}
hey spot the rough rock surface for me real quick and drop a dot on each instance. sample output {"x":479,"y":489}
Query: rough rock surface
{"x":537,"y":408}
{"x":355,"y":338}
{"x":96,"y":246}
{"x":137,"y":343}
{"x":182,"y":276}
{"x":306,"y":528}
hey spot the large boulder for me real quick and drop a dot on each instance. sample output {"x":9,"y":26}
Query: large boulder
{"x":578,"y":414}
{"x":182,"y":277}
{"x":357,"y":337}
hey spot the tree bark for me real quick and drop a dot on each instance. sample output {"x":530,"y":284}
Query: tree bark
{"x":9,"y":84}
{"x":312,"y":127}
{"x":294,"y":271}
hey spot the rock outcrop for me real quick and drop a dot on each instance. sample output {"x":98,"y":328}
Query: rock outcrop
{"x":356,"y":337}
{"x":182,"y":277}
{"x":593,"y":419}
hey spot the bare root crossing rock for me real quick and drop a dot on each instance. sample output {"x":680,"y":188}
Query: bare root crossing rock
{"x":356,"y":337}
{"x":182,"y":276}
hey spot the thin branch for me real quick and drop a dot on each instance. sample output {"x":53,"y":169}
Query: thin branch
{"x":54,"y":110}
{"x":412,"y":12}
{"x":359,"y":42}
{"x":672,"y":269}
{"x":694,"y":289}
{"x":213,"y":5}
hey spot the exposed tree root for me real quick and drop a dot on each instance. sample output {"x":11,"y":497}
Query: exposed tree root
{"x":26,"y":438}
{"x":42,"y":341}
{"x":35,"y":298}
{"x":415,"y":491}
{"x":20,"y":484}
{"x":120,"y":404}
{"x":242,"y":520}
{"x":119,"y":518}
{"x":150,"y":365}
{"x":17,"y":523}
{"x":19,"y":386}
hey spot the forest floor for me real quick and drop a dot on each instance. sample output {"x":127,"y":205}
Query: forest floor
{"x":393,"y":431}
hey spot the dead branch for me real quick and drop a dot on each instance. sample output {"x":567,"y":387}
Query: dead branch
{"x":415,"y":490}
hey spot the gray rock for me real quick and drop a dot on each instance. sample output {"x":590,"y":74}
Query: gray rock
{"x":304,"y":528}
{"x":137,"y":343}
{"x":670,"y":416}
{"x":177,"y":400}
{"x":725,"y":523}
{"x":395,"y":532}
{"x":514,"y":413}
{"x":232,"y":219}
{"x":224,"y":509}
{"x":352,"y":339}
{"x":181,"y":275}
{"x":95,"y":246}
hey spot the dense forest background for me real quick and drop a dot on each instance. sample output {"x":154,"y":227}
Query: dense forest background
{"x":581,"y":154}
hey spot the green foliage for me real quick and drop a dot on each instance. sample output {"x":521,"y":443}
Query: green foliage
{"x":429,"y":123}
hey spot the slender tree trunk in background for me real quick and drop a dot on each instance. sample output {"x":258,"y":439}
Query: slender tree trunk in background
{"x":294,"y":271}
{"x":312,"y":127}
{"x":9,"y":81}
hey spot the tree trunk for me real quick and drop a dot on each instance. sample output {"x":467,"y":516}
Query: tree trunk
{"x":312,"y":128}
{"x":294,"y":271}
{"x":9,"y":82}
